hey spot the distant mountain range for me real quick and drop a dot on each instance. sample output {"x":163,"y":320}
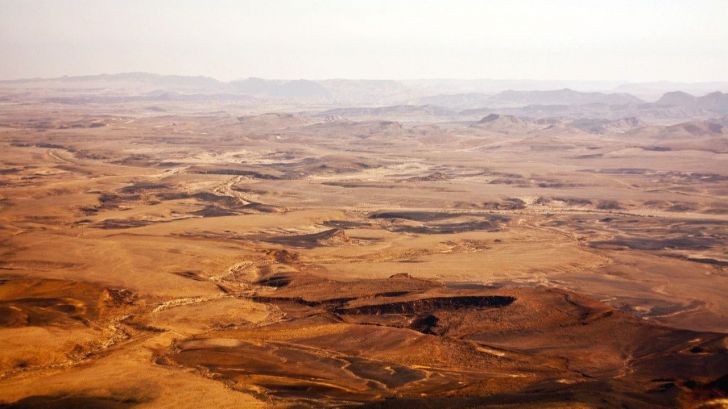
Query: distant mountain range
{"x":715,"y":101}
{"x":512,"y":99}
{"x":388,"y":97}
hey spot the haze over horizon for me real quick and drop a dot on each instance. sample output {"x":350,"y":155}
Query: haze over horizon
{"x":332,"y":204}
{"x":621,"y":41}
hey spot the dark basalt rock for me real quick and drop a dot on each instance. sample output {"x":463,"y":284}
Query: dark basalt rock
{"x":448,"y":228}
{"x":427,"y":305}
{"x":415,"y":216}
{"x":425,"y":324}
{"x":277,"y":280}
{"x":72,"y":402}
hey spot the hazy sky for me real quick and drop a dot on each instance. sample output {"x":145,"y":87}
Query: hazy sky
{"x":538,"y":39}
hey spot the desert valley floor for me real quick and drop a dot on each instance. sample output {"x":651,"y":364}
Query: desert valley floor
{"x":170,"y":259}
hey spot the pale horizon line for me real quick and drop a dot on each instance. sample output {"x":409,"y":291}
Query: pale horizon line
{"x":242,"y":78}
